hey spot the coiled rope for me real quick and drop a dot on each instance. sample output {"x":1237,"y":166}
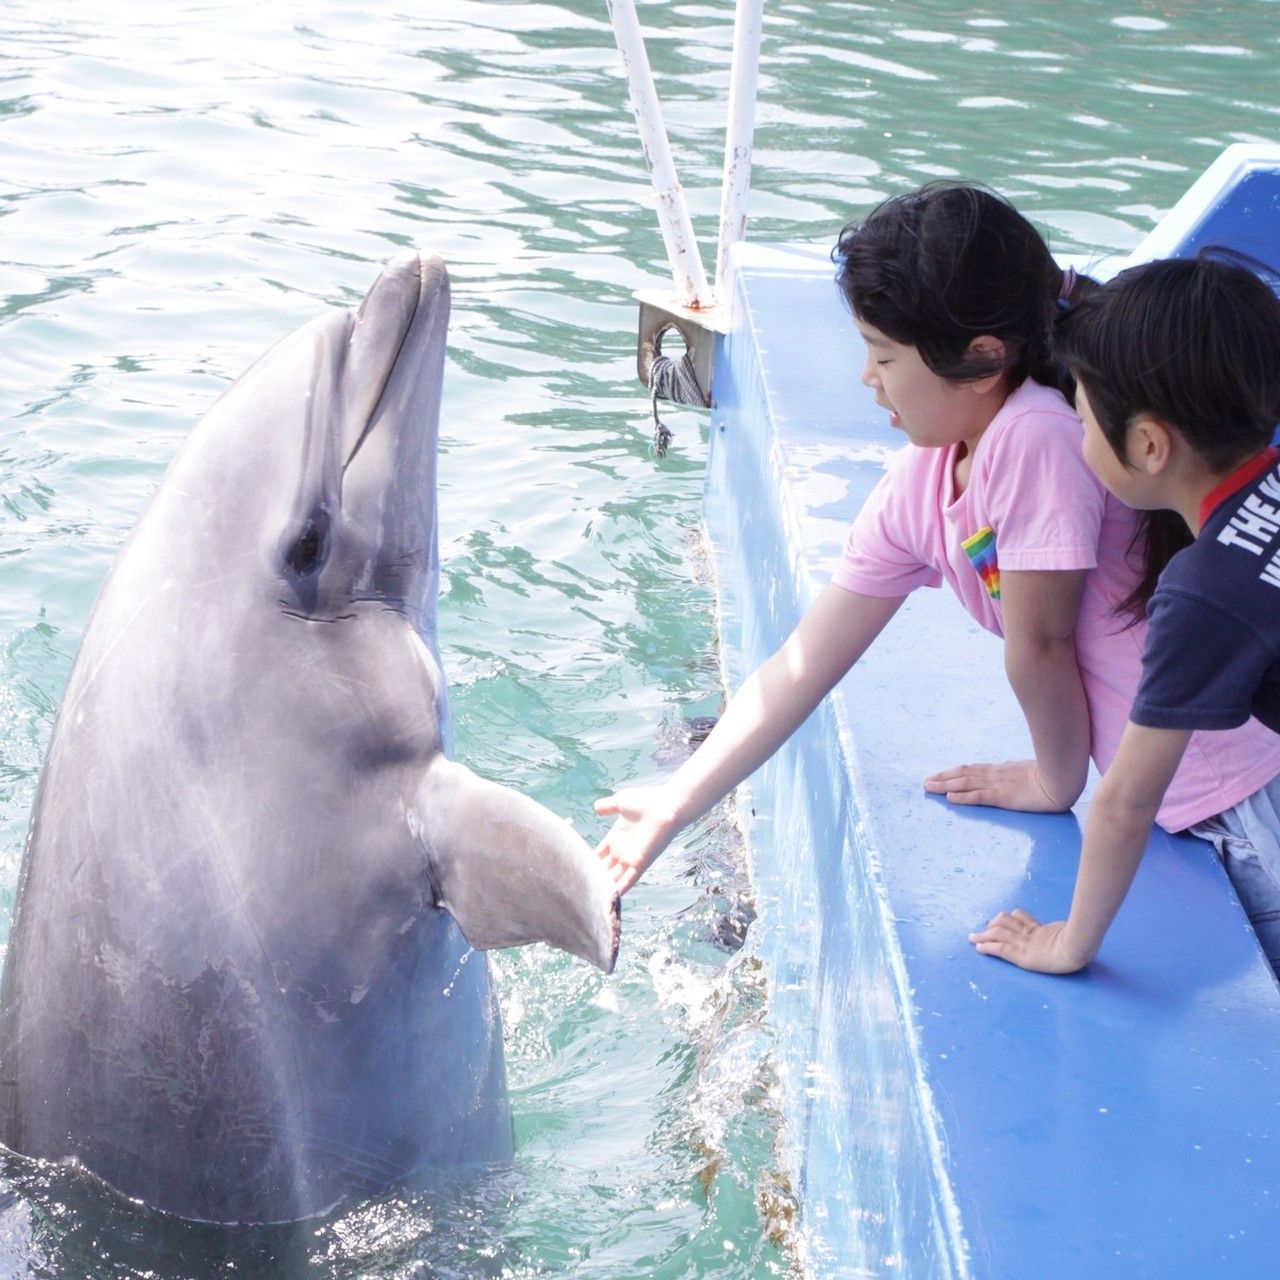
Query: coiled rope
{"x":676,"y":382}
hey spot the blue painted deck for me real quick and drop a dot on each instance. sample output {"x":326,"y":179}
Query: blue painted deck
{"x":949,"y":1115}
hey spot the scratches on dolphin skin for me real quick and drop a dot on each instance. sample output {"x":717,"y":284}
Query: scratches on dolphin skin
{"x":331,"y":1139}
{"x":391,"y":604}
{"x":122,"y":631}
{"x":230,"y":882}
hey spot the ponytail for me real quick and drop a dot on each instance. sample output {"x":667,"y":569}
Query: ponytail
{"x":1160,"y":535}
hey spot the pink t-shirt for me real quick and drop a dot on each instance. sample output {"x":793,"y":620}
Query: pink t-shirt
{"x":1032,"y":503}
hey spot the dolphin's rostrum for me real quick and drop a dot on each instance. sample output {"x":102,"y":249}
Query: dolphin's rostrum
{"x":235,"y":988}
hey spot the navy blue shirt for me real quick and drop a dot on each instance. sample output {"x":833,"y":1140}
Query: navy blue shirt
{"x":1212,"y":655}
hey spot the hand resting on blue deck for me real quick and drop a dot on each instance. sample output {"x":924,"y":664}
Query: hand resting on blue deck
{"x":1016,"y":784}
{"x":1119,"y":825}
{"x":1039,"y":610}
{"x":1017,"y":936}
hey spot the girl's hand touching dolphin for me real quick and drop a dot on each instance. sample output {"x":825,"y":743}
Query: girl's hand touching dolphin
{"x":771,"y":704}
{"x":646,"y":823}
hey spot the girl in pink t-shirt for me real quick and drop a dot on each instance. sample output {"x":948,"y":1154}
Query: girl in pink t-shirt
{"x":954,"y":293}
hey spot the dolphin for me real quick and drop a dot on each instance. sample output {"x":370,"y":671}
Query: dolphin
{"x":240,"y":985}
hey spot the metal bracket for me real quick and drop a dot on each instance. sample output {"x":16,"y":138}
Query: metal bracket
{"x":698,"y":328}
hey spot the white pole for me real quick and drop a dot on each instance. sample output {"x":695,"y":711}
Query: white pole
{"x":740,"y":132}
{"x":673,"y":214}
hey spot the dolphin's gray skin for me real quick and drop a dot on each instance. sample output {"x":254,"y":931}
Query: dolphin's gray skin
{"x":235,"y":989}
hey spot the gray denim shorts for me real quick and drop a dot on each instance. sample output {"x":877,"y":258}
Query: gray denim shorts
{"x":1247,"y":838}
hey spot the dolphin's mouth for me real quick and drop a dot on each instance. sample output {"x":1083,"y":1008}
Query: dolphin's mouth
{"x":401,"y":293}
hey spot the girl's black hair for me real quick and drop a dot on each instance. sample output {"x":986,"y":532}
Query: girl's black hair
{"x":949,"y":263}
{"x":1194,"y":342}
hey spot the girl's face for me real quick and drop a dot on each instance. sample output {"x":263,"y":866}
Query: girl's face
{"x":930,"y":410}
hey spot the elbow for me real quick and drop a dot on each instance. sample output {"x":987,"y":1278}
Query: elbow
{"x":1123,"y":807}
{"x":1029,"y":658}
{"x":1068,"y":792}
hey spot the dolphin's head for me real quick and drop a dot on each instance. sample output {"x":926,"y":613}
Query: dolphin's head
{"x":267,"y":634}
{"x":313,"y":479}
{"x":363,"y":522}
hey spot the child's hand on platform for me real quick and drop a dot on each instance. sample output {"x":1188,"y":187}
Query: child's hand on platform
{"x":644,"y":827}
{"x":1018,"y":937}
{"x":1015,"y":784}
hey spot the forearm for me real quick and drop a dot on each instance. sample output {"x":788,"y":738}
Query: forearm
{"x":1040,"y":612}
{"x":777,"y":698}
{"x":771,"y":704}
{"x":1046,"y":681}
{"x":1115,"y":839}
{"x":1120,"y":818}
{"x":768,"y":707}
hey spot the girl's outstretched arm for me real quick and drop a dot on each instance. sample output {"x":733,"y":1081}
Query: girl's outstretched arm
{"x":1040,"y":609}
{"x":1115,"y":838}
{"x":772,"y":703}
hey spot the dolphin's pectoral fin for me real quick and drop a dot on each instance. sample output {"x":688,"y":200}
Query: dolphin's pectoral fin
{"x":510,"y":872}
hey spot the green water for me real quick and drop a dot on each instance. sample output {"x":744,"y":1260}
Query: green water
{"x":182,"y":184}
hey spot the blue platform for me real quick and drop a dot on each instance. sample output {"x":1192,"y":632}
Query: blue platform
{"x":949,"y":1115}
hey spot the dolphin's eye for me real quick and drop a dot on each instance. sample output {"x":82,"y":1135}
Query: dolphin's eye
{"x":308,"y":553}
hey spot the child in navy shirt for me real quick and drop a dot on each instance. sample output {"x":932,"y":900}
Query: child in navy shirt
{"x":1178,"y":385}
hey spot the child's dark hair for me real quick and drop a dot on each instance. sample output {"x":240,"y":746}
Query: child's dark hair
{"x":1194,"y":342}
{"x":947,"y":264}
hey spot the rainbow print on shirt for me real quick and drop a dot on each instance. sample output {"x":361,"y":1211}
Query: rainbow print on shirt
{"x":980,"y":547}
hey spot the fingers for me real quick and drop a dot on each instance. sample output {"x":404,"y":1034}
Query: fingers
{"x":641,"y":830}
{"x":966,"y":784}
{"x":606,"y":852}
{"x":961,"y":788}
{"x":623,"y":869}
{"x":622,"y":874}
{"x":1009,"y":927}
{"x":1001,"y":950}
{"x":1013,"y":923}
{"x":625,"y":877}
{"x":976,"y":796}
{"x":1007,"y":936}
{"x":1012,"y":785}
{"x":961,"y":778}
{"x":1018,"y":937}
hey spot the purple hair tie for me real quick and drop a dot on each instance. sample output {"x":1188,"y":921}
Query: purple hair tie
{"x":1066,"y":289}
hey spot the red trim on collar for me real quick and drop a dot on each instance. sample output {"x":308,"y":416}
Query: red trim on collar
{"x":1236,"y":481}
